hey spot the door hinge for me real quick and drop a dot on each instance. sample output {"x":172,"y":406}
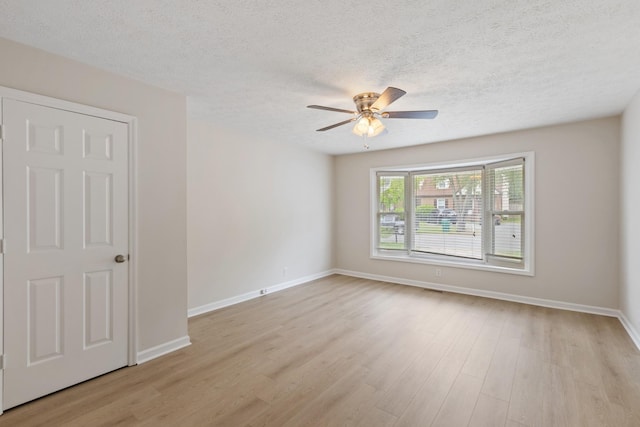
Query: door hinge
{"x":1,"y":361}
{"x":2,"y":246}
{"x":1,"y":132}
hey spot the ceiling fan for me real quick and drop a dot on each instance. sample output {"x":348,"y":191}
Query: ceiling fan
{"x":369,"y":107}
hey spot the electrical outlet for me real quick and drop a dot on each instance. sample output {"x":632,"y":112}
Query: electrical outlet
{"x":263,"y":291}
{"x":438,"y":272}
{"x":284,"y":271}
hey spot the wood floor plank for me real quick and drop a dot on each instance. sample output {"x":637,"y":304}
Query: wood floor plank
{"x":344,"y":351}
{"x":527,"y":395}
{"x":357,"y":409}
{"x":489,"y":412}
{"x":595,"y":410}
{"x":479,"y":360}
{"x":426,"y":403}
{"x":460,"y":403}
{"x":499,"y":378}
{"x":400,"y":395}
{"x":560,"y":404}
{"x":327,"y":404}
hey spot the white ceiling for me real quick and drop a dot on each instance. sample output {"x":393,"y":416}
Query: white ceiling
{"x":488,"y":65}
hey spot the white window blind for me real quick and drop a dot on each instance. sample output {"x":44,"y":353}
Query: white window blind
{"x":451,"y":225}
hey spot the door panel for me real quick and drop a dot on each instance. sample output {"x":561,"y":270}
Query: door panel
{"x":98,"y":291}
{"x":44,"y":211}
{"x":44,"y":138}
{"x":45,"y":314}
{"x":96,"y":146}
{"x":66,"y":218}
{"x":98,"y":209}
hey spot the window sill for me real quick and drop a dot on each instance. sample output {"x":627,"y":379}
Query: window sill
{"x":441,"y":261}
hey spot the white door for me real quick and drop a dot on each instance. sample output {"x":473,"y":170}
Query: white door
{"x":65,"y":220}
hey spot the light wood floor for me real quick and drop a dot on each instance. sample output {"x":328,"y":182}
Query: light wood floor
{"x":352,"y":352}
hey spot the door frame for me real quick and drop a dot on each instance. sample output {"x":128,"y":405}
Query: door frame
{"x":132,"y":129}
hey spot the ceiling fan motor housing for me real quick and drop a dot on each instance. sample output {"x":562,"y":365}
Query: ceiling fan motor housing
{"x":365,"y":100}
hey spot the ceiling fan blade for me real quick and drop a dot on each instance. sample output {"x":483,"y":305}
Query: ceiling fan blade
{"x":336,"y":125}
{"x":425,"y":114}
{"x":389,"y":95}
{"x":320,"y":107}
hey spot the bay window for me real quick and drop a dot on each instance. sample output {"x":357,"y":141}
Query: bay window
{"x":474,"y":214}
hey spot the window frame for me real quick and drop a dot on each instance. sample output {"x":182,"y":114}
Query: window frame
{"x":489,"y":262}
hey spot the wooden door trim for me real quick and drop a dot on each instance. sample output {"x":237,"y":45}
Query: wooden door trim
{"x":132,"y":129}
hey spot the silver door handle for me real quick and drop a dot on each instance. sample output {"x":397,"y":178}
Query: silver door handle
{"x":120,"y":258}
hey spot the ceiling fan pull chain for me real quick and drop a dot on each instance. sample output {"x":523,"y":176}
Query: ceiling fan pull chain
{"x":364,"y":141}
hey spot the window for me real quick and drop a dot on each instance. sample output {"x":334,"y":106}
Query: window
{"x":506,"y":208}
{"x":442,"y":184}
{"x":451,"y":228}
{"x":475,"y":214}
{"x":391,"y":209}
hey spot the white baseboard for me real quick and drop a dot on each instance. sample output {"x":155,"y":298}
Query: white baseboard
{"x":633,"y":333}
{"x":162,"y":349}
{"x":487,"y":294}
{"x":216,"y":305}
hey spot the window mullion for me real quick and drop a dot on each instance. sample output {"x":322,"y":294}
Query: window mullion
{"x":487,"y":215}
{"x":408,"y":212}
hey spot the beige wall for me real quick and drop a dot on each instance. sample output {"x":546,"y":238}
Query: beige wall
{"x":576,"y":212}
{"x":162,"y":274}
{"x":254,"y":208}
{"x":630,"y":256}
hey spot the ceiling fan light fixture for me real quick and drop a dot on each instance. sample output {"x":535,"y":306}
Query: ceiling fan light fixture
{"x":368,"y":126}
{"x":370,"y":108}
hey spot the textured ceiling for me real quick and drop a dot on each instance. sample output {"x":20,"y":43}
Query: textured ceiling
{"x":252,"y":66}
